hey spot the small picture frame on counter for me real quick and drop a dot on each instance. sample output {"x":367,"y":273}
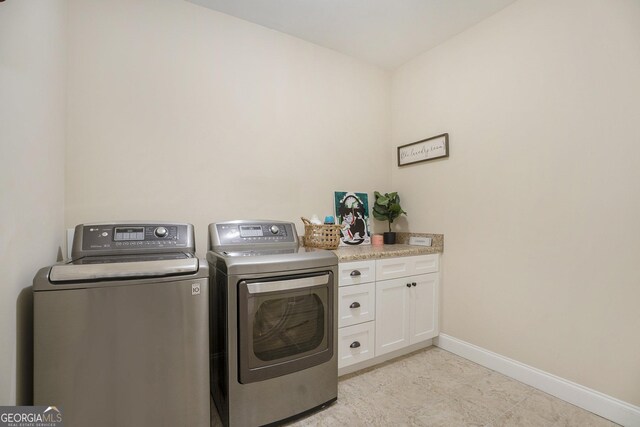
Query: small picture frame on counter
{"x":424,"y":150}
{"x":352,"y":214}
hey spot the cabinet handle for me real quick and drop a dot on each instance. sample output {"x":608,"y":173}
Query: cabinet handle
{"x":355,"y":305}
{"x":414,"y":284}
{"x":408,"y":285}
{"x":355,"y":344}
{"x":355,"y":273}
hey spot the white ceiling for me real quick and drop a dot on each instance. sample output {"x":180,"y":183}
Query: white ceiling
{"x":387,"y":33}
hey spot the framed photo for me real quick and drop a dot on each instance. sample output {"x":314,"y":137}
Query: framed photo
{"x":352,"y":214}
{"x":421,"y":151}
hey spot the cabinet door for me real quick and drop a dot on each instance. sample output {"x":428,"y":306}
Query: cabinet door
{"x":424,"y":307}
{"x":392,"y":315}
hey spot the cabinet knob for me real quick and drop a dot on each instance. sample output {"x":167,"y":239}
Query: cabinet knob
{"x":414,"y":284}
{"x":355,"y":273}
{"x":355,"y":305}
{"x":355,"y":344}
{"x":408,"y":285}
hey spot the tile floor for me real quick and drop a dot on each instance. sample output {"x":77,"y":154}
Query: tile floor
{"x":433,"y":387}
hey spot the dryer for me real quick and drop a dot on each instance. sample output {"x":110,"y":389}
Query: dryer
{"x":273,"y":324}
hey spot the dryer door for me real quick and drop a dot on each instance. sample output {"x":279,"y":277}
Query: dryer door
{"x":285,"y":324}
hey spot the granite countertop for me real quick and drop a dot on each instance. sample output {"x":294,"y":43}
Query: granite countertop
{"x":365,"y":252}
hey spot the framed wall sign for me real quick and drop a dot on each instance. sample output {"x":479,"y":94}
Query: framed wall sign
{"x":423,"y":150}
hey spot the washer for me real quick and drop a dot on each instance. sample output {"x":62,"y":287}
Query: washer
{"x":273,"y":323}
{"x":121,"y":332}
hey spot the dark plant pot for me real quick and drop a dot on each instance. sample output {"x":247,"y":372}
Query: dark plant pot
{"x":389,"y":237}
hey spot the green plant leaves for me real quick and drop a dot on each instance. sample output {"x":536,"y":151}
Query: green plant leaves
{"x":387,"y":207}
{"x":382,"y":200}
{"x":395,"y":209}
{"x":380,"y":213}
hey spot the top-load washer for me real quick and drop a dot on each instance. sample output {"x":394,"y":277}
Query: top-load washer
{"x":273,"y":323}
{"x":121,"y":331}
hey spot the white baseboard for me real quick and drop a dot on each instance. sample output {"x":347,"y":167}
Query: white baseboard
{"x":593,"y":401}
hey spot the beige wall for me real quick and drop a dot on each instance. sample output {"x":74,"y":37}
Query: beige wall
{"x":32,"y":85}
{"x":539,"y":201}
{"x":179,"y":112}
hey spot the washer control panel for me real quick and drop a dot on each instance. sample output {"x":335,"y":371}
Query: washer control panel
{"x":92,"y":239}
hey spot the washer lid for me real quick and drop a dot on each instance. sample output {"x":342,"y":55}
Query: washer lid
{"x":91,"y":269}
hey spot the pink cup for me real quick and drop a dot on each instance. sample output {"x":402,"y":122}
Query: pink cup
{"x":376,"y":240}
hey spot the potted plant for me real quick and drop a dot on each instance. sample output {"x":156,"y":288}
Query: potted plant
{"x":387,"y":208}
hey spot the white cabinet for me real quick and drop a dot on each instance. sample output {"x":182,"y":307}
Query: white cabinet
{"x":386,"y":306}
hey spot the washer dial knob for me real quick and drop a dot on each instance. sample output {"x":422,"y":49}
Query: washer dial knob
{"x":161,"y":232}
{"x":274,"y":229}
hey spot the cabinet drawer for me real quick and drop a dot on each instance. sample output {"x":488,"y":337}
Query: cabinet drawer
{"x":424,"y":264}
{"x":356,"y":272}
{"x":355,"y":343}
{"x":391,"y":268}
{"x":356,"y":304}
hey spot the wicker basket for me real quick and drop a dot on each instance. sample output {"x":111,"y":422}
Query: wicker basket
{"x":321,"y":236}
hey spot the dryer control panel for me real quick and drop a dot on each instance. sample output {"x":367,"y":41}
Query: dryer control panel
{"x":253,"y":233}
